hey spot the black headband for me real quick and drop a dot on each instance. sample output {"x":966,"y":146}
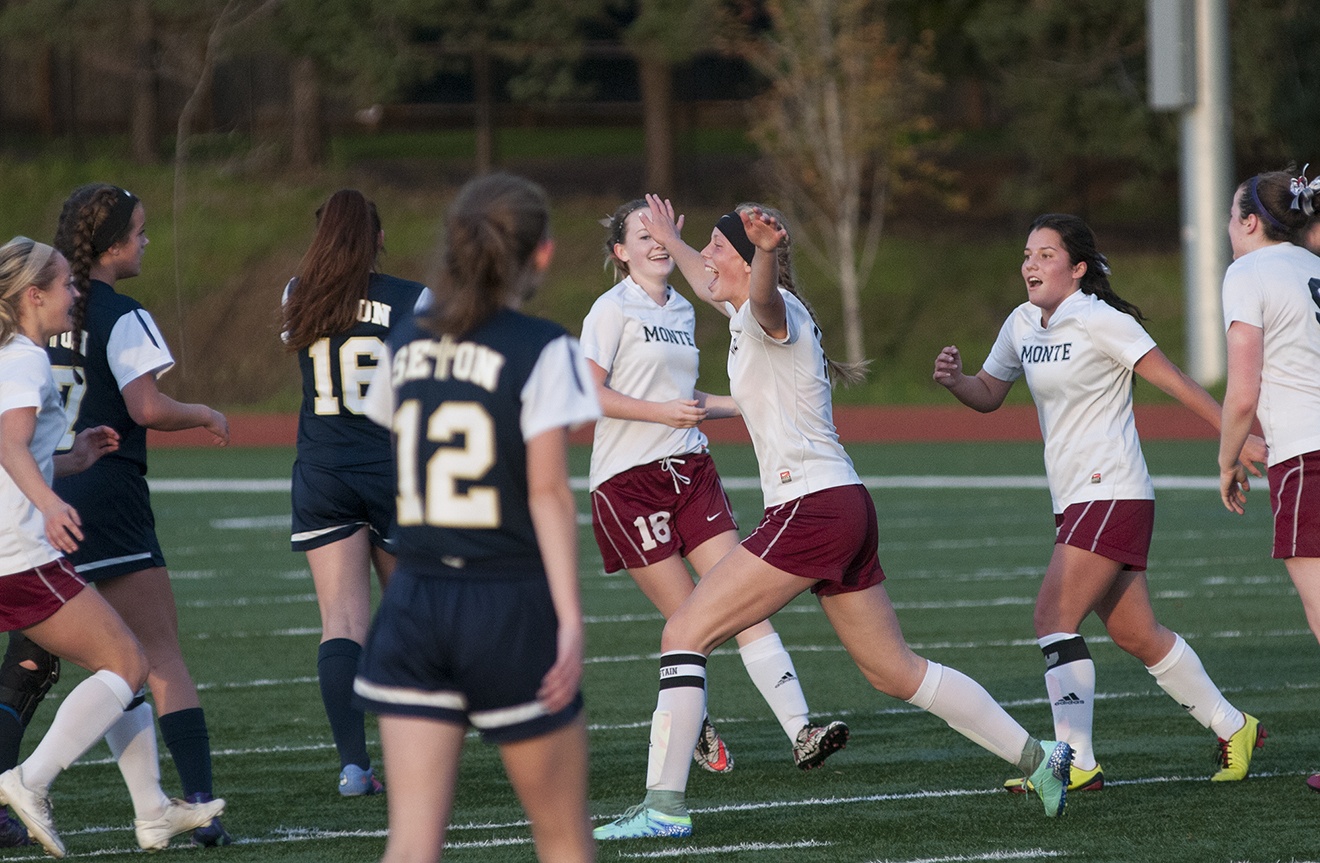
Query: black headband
{"x":731,"y":226}
{"x":116,"y":222}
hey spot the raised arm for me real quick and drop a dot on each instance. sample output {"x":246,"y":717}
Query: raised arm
{"x":984,"y":392}
{"x":768,"y":308}
{"x":665,"y":228}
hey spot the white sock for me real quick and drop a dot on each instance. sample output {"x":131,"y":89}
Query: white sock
{"x":676,"y":723}
{"x":132,"y":742}
{"x":1181,"y":674}
{"x":83,"y":717}
{"x":969,"y":710}
{"x":1070,"y":684}
{"x":771,"y":669}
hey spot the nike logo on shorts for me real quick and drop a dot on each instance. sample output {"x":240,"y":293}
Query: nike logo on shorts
{"x":712,"y":517}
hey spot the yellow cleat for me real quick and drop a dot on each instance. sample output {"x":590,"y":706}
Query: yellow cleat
{"x":1234,"y":755}
{"x":1080,"y":780}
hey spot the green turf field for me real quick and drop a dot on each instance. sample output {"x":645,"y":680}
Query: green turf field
{"x":964,"y":559}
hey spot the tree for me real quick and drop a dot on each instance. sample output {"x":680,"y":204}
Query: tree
{"x":843,"y":125}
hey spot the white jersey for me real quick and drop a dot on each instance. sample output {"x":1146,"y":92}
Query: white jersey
{"x":26,"y":382}
{"x":783,"y":391}
{"x":1079,"y":370}
{"x":648,"y":352}
{"x":1277,"y":288}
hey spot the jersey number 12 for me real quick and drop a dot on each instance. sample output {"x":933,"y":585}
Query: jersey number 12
{"x":443,"y":505}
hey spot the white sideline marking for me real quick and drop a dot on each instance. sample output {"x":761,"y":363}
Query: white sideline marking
{"x":732,"y":483}
{"x":688,"y":850}
{"x":1029,"y":854}
{"x":256,"y":522}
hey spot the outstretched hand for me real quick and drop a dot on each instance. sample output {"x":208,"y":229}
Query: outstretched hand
{"x":762,"y":229}
{"x":662,"y":224}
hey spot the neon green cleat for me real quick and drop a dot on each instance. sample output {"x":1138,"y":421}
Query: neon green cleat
{"x":1081,"y":780}
{"x":1050,"y":781}
{"x":1234,"y":755}
{"x":643,"y":822}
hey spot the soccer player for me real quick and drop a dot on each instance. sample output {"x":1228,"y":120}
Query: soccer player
{"x":1077,"y":343}
{"x":336,"y":314}
{"x":40,"y":594}
{"x":107,"y":368}
{"x":818,"y":533}
{"x":655,"y":495}
{"x":481,"y":624}
{"x":1272,"y":313}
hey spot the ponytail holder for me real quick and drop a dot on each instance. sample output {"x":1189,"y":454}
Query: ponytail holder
{"x":1103,"y":263}
{"x":1303,"y":192}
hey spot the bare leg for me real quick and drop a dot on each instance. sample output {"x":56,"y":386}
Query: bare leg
{"x":145,"y":600}
{"x":1305,"y":575}
{"x":421,"y":757}
{"x":549,"y":774}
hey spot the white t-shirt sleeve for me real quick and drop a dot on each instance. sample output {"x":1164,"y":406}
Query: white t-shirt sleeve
{"x":21,"y":377}
{"x":1003,"y":361}
{"x":559,"y":391}
{"x":378,"y":404}
{"x":794,"y":313}
{"x":424,"y":300}
{"x":1120,"y":335}
{"x":1242,"y":300}
{"x":136,"y":348}
{"x":602,"y":331}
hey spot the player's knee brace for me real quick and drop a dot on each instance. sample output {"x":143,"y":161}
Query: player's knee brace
{"x":21,"y":689}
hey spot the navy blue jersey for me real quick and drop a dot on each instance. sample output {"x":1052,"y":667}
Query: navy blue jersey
{"x":460,"y":412}
{"x":332,"y":430}
{"x":120,"y":342}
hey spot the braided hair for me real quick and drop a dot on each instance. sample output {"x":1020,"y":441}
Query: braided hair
{"x":1079,"y":242}
{"x":494,"y":226}
{"x":845,"y":373}
{"x":80,"y":238}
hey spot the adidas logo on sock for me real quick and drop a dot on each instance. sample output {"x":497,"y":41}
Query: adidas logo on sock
{"x":788,"y":675}
{"x":1069,"y":700}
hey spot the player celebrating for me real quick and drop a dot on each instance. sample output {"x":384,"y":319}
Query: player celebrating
{"x":40,"y":594}
{"x":1272,"y":312}
{"x":1078,"y":344}
{"x":819,"y":532}
{"x":481,"y":624}
{"x":336,"y":313}
{"x":655,"y":496}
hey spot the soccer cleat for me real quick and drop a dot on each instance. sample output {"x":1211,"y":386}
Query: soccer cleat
{"x":1050,"y":780}
{"x":1234,"y":754}
{"x":33,"y":810}
{"x":1080,"y":780}
{"x":211,"y":835}
{"x":642,"y":822}
{"x":356,"y":782}
{"x":1313,"y":782}
{"x":711,"y":753}
{"x":179,"y":816}
{"x":12,"y":832}
{"x":815,"y":743}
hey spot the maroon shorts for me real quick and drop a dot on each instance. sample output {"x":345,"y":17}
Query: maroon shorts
{"x":1295,"y":499}
{"x":31,"y":596}
{"x":1117,"y":529}
{"x":827,"y":536}
{"x":654,"y":511}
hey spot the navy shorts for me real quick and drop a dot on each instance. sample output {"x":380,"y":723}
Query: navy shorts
{"x":470,"y":651}
{"x":1295,"y":501}
{"x":828,"y":536}
{"x":119,"y":529}
{"x":330,"y":504}
{"x":1117,"y":529}
{"x":654,"y":511}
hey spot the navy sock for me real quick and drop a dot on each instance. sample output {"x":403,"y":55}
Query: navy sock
{"x":11,"y":737}
{"x":336,"y":666}
{"x":185,"y":736}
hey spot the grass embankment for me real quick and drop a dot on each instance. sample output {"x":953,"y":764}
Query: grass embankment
{"x":225,"y":241}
